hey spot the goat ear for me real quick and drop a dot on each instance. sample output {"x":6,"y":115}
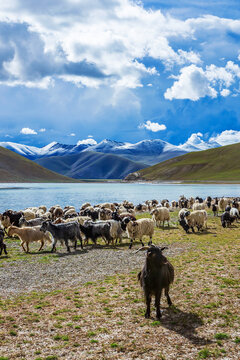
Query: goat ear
{"x":142,"y":249}
{"x":163,"y":248}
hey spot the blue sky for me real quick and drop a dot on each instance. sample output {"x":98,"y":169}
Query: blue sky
{"x":119,"y":69}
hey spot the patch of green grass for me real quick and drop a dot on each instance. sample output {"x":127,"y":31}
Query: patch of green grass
{"x":204,"y":353}
{"x":114,"y":345}
{"x":155,"y":323}
{"x":13,"y":333}
{"x":221,"y":336}
{"x":93,"y":341}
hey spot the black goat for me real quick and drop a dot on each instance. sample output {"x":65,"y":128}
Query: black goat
{"x":215,"y":209}
{"x":63,"y":232}
{"x":2,"y":245}
{"x":14,"y":216}
{"x":184,"y":225}
{"x":93,"y":230}
{"x":157,"y":274}
{"x":227,"y":219}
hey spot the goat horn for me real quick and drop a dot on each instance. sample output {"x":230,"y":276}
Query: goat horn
{"x":142,"y":249}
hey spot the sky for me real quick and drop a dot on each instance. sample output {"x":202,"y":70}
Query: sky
{"x":77,"y":70}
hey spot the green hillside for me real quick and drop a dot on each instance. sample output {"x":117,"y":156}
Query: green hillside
{"x":219,"y":164}
{"x":16,"y":168}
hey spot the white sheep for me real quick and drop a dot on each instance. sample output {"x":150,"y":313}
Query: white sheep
{"x":116,"y":230}
{"x":84,"y":206}
{"x":29,"y":214}
{"x":198,"y":206}
{"x":197,"y":218}
{"x":30,"y":234}
{"x":139,"y":228}
{"x":223,"y":202}
{"x":160,"y":215}
{"x":43,"y":207}
{"x":234,"y":213}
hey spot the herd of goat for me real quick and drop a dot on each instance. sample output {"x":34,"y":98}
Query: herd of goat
{"x":110,"y":221}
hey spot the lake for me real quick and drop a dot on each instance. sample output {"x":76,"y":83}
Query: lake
{"x":19,"y":196}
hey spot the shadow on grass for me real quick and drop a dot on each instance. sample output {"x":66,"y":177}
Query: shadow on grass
{"x":185,"y":324}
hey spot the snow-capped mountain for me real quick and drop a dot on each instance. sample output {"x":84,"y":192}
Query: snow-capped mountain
{"x":146,"y":151}
{"x":52,"y":149}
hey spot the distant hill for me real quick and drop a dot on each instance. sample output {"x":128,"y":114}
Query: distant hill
{"x":219,"y":164}
{"x":91,"y":165}
{"x":16,"y":168}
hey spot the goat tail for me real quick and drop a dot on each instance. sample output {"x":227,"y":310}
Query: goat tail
{"x":49,"y":237}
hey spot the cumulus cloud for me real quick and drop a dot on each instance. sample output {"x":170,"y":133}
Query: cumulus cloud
{"x":194,"y":82}
{"x":226,"y":137}
{"x":195,"y":141}
{"x":190,"y":84}
{"x":88,"y":141}
{"x":225,"y":92}
{"x":153,"y":126}
{"x":93,"y":43}
{"x":72,"y":134}
{"x":42,"y":130}
{"x":28,"y":131}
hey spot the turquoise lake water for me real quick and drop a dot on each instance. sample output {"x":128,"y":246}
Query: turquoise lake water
{"x":19,"y":196}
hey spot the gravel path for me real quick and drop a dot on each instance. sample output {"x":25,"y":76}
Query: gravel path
{"x":70,"y":270}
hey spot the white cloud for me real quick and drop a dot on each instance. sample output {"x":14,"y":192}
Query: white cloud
{"x":42,"y":130}
{"x":93,"y":43}
{"x":72,"y":134}
{"x":226,"y":137}
{"x":88,"y":141}
{"x":28,"y":131}
{"x":225,"y":92}
{"x":109,"y":34}
{"x":191,"y":84}
{"x":153,"y":126}
{"x":195,"y":141}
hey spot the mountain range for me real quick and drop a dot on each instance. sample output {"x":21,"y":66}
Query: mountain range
{"x":147,"y":151}
{"x":108,"y":159}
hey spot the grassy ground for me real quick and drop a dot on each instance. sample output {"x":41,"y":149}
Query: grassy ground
{"x":105,"y":319}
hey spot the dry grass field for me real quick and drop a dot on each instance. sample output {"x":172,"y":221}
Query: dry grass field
{"x":103,"y":318}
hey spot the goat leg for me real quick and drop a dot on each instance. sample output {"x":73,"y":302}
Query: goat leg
{"x":131,"y":243}
{"x":148,"y":303}
{"x":42,"y":243}
{"x":67,"y":246}
{"x":5,"y":248}
{"x":150,"y":241}
{"x":23,"y":247}
{"x":157,"y":304}
{"x":167,"y":296}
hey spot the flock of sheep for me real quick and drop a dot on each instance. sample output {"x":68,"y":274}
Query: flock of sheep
{"x":111,"y":221}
